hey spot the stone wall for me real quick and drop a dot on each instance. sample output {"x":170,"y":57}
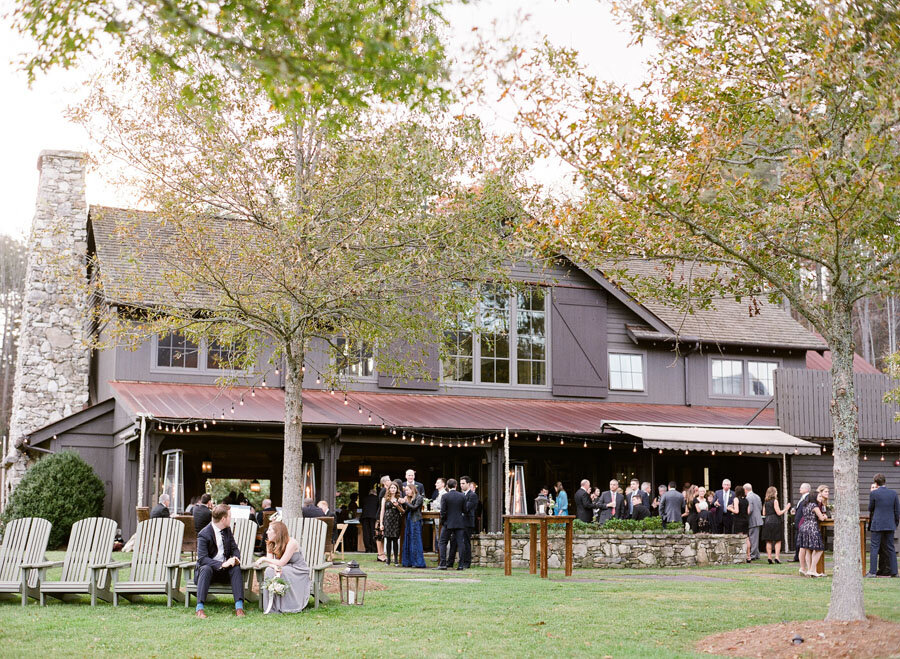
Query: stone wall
{"x":53,"y":360}
{"x":617,"y":550}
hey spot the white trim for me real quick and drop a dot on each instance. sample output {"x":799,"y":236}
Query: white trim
{"x":201,"y":368}
{"x":745,"y":377}
{"x":639,"y":353}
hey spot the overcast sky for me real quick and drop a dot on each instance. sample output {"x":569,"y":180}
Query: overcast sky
{"x":32,"y":119}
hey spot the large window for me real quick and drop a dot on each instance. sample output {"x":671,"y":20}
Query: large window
{"x":506,"y":345}
{"x":174,"y":350}
{"x":740,"y":377}
{"x":355,"y":359}
{"x":626,"y":371}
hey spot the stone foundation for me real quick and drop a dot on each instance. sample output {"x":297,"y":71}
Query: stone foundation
{"x":617,"y":550}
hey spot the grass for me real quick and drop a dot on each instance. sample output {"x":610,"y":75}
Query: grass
{"x":621,"y":613}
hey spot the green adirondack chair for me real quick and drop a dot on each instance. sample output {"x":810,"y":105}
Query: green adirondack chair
{"x":24,"y":543}
{"x":310,"y":533}
{"x":154,"y":564}
{"x":90,"y":543}
{"x":244,"y":531}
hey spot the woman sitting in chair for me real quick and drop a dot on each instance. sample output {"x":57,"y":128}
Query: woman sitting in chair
{"x":284,"y":559}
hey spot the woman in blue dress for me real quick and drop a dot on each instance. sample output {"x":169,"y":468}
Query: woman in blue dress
{"x":562,"y":500}
{"x":413,"y":554}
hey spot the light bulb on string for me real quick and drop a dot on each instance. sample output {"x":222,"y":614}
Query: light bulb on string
{"x":539,"y":438}
{"x":393,"y":431}
{"x":442,"y":443}
{"x":359,"y":408}
{"x":347,"y":402}
{"x":516,"y":435}
{"x":561,"y":442}
{"x":458,"y":444}
{"x":634,"y":449}
{"x":431,"y":443}
{"x":382,"y":425}
{"x":242,"y":400}
{"x":404,"y":436}
{"x":865,"y":456}
{"x":223,"y":411}
{"x":585,"y":444}
{"x":318,"y":380}
{"x":370,"y":417}
{"x":277,"y":372}
{"x":196,"y":427}
{"x":882,"y":457}
{"x":610,"y":446}
{"x":713,"y":452}
{"x":882,"y":443}
{"x":253,"y":392}
{"x":466,"y":443}
{"x":332,"y":391}
{"x":660,"y":451}
{"x":686,"y":451}
{"x":303,"y":368}
{"x":214,"y":422}
{"x":232,"y":408}
{"x":423,"y":439}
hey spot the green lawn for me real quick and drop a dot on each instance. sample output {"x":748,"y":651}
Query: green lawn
{"x":622,"y":613}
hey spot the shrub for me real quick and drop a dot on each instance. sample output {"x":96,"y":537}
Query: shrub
{"x":62,"y":488}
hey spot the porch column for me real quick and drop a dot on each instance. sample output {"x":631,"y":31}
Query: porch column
{"x":494,"y":504}
{"x":329,"y":452}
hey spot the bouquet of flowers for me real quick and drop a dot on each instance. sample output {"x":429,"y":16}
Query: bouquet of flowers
{"x":277,"y":586}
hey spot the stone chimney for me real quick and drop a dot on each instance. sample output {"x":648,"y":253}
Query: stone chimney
{"x":53,"y":361}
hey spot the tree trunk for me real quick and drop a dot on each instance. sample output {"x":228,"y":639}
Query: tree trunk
{"x":292,"y":476}
{"x":846,"y":586}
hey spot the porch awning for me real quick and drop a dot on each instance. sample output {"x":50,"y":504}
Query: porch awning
{"x":731,"y":439}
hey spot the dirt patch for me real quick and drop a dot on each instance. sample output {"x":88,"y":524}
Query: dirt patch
{"x":333,"y":587}
{"x":860,"y":640}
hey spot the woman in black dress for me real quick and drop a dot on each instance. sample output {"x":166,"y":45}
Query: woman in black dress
{"x":811,"y":542}
{"x":740,"y":510}
{"x":391,"y":511}
{"x":772,"y":532}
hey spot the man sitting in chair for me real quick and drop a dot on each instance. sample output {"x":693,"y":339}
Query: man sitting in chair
{"x":218,"y":559}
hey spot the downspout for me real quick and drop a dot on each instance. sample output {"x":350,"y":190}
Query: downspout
{"x":687,"y":374}
{"x":141,"y":458}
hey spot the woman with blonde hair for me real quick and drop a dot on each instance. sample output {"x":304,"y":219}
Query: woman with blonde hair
{"x":285,"y":560}
{"x":772,"y":529}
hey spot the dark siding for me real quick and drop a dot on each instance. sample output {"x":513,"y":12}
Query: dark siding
{"x":429,"y":358}
{"x":579,"y":357}
{"x":803,"y":398}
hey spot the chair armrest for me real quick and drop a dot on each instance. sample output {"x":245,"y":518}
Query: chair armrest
{"x":115,"y":565}
{"x":320,"y":566}
{"x":42,"y":566}
{"x":185,"y":564}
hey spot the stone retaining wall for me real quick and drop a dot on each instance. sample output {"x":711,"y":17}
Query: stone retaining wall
{"x":617,"y":550}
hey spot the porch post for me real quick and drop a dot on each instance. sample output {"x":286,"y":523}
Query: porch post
{"x":496,"y":485}
{"x":329,"y":452}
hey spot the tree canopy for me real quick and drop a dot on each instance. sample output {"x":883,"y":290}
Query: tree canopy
{"x":759,"y":158}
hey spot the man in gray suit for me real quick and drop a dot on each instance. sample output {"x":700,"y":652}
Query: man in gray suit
{"x":756,"y":520}
{"x":671,"y":506}
{"x":612,"y":504}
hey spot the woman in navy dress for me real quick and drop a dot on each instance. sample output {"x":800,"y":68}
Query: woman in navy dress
{"x":413,"y":554}
{"x":810,"y":537}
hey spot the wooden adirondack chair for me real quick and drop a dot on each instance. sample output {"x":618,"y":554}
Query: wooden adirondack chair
{"x":244,"y":531}
{"x":310,"y":533}
{"x":24,"y":543}
{"x":154,"y":565}
{"x":90,"y":543}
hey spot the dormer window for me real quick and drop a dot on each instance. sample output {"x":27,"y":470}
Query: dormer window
{"x":174,"y":350}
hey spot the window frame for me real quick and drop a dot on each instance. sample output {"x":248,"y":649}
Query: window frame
{"x":639,"y":353}
{"x":355,"y":378}
{"x":745,"y":376}
{"x":201,"y":368}
{"x":513,"y":350}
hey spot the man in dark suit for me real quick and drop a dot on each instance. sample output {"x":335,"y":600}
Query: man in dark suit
{"x":202,"y":513}
{"x":585,"y":502}
{"x":612,"y":504}
{"x":367,"y":520}
{"x":465,"y":556}
{"x":453,"y":522}
{"x":162,"y":508}
{"x":884,"y":511}
{"x":411,"y":479}
{"x":671,"y":506}
{"x":218,"y":559}
{"x":310,"y":509}
{"x":638,"y":510}
{"x":267,"y":507}
{"x":724,"y":498}
{"x":634,"y":488}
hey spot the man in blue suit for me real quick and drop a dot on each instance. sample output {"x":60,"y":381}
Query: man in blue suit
{"x":884,"y":511}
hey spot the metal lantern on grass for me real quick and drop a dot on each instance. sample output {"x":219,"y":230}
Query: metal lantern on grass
{"x":353,"y":584}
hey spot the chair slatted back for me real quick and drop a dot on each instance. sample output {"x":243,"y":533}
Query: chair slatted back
{"x":158,"y":544}
{"x":244,"y":531}
{"x":295,"y":526}
{"x":90,"y":542}
{"x":24,"y":542}
{"x":313,"y":542}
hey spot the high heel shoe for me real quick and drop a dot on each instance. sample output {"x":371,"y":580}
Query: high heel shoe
{"x":770,"y":561}
{"x":777,"y":561}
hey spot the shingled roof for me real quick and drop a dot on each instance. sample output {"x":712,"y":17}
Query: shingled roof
{"x":728,"y":322}
{"x":133,"y":273}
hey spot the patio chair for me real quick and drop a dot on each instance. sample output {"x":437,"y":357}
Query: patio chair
{"x":90,"y":543}
{"x":309,"y":532}
{"x":154,"y":565}
{"x":24,"y":543}
{"x":244,"y":531}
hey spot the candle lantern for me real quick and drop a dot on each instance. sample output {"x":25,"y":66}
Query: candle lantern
{"x":542,"y":505}
{"x":353,"y":585}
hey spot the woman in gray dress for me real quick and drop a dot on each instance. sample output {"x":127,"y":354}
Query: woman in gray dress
{"x":284,"y":559}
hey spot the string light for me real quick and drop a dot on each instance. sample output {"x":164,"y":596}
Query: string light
{"x":347,"y":402}
{"x":232,"y":408}
{"x":359,"y":408}
{"x":539,"y":438}
{"x":204,"y":425}
{"x":610,"y":446}
{"x":865,"y":456}
{"x":214,"y":421}
{"x":882,"y":443}
{"x":442,"y":443}
{"x":560,"y":441}
{"x":404,"y":436}
{"x":585,"y":443}
{"x":370,"y":417}
{"x":382,"y":424}
{"x":713,"y":452}
{"x":634,"y":450}
{"x":242,"y":400}
{"x":277,"y":372}
{"x":882,"y":457}
{"x":196,"y":427}
{"x":660,"y":451}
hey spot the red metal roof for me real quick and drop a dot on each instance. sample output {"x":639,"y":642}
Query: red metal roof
{"x":418,"y":411}
{"x":823,"y":362}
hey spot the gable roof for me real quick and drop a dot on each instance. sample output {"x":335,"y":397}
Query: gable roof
{"x":727,"y":322}
{"x":132,"y":281}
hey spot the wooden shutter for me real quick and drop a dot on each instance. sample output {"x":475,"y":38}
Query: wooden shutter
{"x":578,"y":343}
{"x":430,"y":365}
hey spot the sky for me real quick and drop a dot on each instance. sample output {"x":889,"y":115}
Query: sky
{"x":33,"y":118}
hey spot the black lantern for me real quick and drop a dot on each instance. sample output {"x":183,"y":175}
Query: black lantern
{"x":255,"y":486}
{"x":353,"y":584}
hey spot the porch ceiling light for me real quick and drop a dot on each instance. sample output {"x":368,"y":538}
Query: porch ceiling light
{"x":365,"y":469}
{"x":254,"y":485}
{"x":206,"y":466}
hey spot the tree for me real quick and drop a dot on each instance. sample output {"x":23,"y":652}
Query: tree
{"x":311,"y":52}
{"x":764,"y":146}
{"x":12,"y":282}
{"x":277,"y":230}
